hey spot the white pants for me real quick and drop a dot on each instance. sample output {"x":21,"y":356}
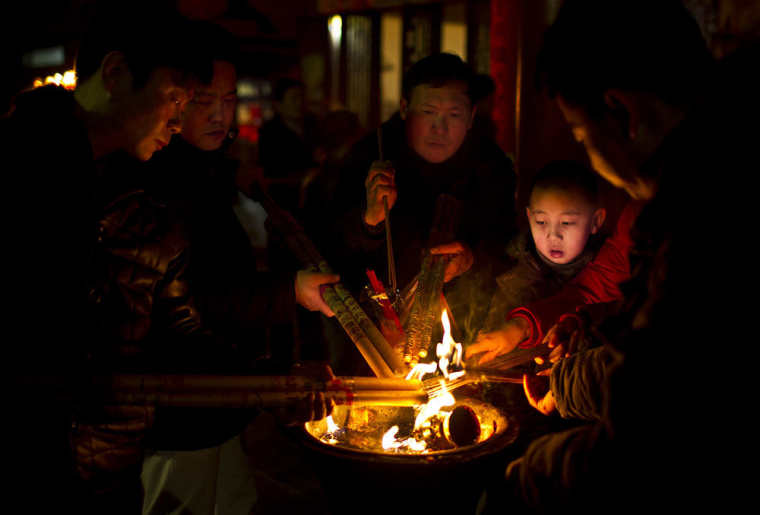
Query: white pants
{"x":213,"y":481}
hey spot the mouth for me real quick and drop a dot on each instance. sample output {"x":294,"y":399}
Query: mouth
{"x":439,"y":144}
{"x":216,"y":134}
{"x":161,"y":144}
{"x":556,"y":254}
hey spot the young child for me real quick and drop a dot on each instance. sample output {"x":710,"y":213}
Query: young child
{"x":564,"y":216}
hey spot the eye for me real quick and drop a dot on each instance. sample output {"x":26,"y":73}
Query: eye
{"x":568,"y":223}
{"x":540,"y":222}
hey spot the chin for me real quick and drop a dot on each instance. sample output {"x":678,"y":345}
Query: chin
{"x":436,"y":157}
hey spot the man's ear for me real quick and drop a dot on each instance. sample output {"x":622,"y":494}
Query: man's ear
{"x":472,"y":117}
{"x":403,"y":108}
{"x":625,"y":110}
{"x":597,"y":220}
{"x":115,"y":74}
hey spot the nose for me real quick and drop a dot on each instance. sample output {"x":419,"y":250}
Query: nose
{"x":216,"y":114}
{"x":175,"y":121}
{"x":555,"y":232}
{"x":440,"y":126}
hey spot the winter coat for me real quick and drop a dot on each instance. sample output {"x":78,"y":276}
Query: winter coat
{"x":99,"y":287}
{"x":238,"y":303}
{"x":531,"y":277}
{"x":479,"y":175}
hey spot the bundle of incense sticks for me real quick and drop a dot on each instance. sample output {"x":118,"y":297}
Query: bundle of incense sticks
{"x":254,"y":391}
{"x":377,"y":352}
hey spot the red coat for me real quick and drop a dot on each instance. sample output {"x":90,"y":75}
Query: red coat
{"x":598,"y":282}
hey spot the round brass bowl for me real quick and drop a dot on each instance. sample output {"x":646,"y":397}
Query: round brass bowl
{"x":369,"y":480}
{"x":362,"y":429}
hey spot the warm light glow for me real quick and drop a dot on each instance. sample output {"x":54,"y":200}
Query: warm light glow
{"x":331,"y":436}
{"x":335,"y":26}
{"x":449,"y":353}
{"x":68,"y":80}
{"x":331,"y":425}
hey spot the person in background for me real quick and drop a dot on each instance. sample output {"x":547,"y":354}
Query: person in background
{"x":287,"y":146}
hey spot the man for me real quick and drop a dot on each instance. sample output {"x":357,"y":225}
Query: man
{"x":657,"y":120}
{"x":196,"y":460}
{"x":78,"y":249}
{"x":428,"y":151}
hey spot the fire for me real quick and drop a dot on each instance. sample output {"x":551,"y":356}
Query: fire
{"x":333,"y":430}
{"x":449,"y":353}
{"x":68,"y":80}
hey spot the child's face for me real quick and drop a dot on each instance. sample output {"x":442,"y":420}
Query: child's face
{"x":561,"y":222}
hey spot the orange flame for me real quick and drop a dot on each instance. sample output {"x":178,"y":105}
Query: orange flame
{"x":448,"y":352}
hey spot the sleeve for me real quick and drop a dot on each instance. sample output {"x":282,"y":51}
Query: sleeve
{"x":577,"y":383}
{"x":347,"y":238}
{"x":598,"y":282}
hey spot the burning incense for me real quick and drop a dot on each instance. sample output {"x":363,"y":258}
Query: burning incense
{"x":254,"y":391}
{"x":370,"y":342}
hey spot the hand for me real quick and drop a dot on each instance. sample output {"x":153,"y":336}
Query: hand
{"x":538,"y":392}
{"x":313,"y":405}
{"x":501,"y":341}
{"x":461,"y":258}
{"x":308,"y":294}
{"x":380,"y":183}
{"x":563,"y":338}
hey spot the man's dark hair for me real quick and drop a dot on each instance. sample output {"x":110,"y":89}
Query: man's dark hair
{"x":213,"y":42}
{"x":437,"y":70}
{"x":568,"y":175}
{"x":150,"y":36}
{"x":283,"y":85}
{"x":640,"y":45}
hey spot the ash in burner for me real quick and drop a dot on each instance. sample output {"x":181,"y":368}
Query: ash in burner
{"x":364,"y":428}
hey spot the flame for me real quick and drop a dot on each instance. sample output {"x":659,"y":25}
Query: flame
{"x":68,"y":80}
{"x":449,"y":353}
{"x":331,"y":435}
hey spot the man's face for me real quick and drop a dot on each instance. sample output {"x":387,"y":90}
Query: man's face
{"x":561,"y":222}
{"x":209,"y":115}
{"x":437,"y":120}
{"x":608,"y":148}
{"x":151,"y":114}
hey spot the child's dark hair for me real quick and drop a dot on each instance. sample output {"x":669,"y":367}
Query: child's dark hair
{"x":436,"y":70}
{"x":568,"y":175}
{"x":150,"y":36}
